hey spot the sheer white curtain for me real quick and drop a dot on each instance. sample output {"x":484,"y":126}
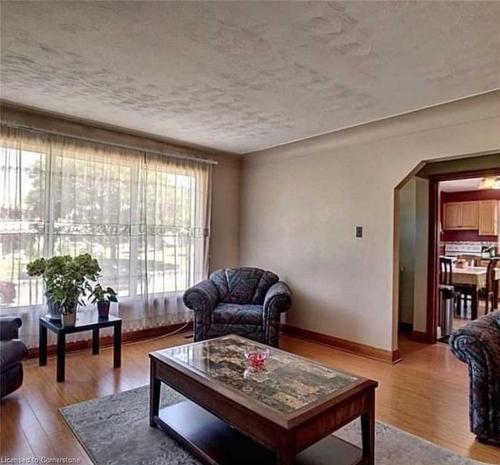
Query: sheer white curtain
{"x":144,"y":216}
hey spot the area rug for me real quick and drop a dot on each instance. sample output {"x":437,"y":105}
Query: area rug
{"x":114,"y":430}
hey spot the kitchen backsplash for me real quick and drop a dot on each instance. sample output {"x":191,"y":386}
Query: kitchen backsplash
{"x":454,"y":248}
{"x":482,"y":243}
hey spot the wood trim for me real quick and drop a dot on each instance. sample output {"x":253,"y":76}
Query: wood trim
{"x":466,"y":174}
{"x":432,"y":261}
{"x":395,"y":356}
{"x":352,"y":347}
{"x":405,"y":327}
{"x":107,"y":341}
{"x":418,"y":336}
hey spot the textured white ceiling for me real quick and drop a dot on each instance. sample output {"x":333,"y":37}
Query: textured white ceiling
{"x":244,"y":76}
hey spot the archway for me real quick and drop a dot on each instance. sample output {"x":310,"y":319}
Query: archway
{"x":416,"y":240}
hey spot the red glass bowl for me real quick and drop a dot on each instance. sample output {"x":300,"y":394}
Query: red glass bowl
{"x":256,"y":357}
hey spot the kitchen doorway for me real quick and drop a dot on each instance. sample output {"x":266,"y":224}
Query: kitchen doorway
{"x":463,"y":239}
{"x":421,"y":239}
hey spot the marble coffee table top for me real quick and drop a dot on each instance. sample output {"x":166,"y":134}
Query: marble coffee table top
{"x":287,"y":384}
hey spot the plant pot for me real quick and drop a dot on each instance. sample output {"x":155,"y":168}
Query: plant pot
{"x":68,"y":319}
{"x":54,"y":309}
{"x":103,"y":309}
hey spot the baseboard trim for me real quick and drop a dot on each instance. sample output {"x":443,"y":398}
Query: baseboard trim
{"x":418,"y":336}
{"x":405,"y":327}
{"x":345,"y":345}
{"x":107,"y":341}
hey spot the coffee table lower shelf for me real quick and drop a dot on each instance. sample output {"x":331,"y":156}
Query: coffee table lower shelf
{"x":214,"y":442}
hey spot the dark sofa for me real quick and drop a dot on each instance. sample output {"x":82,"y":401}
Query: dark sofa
{"x":12,"y":353}
{"x":478,"y":345}
{"x":243,"y":301}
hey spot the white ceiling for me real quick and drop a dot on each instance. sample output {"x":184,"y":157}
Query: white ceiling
{"x":460,"y":185}
{"x":243,"y":76}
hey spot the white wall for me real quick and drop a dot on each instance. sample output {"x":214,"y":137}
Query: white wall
{"x":225,"y":239}
{"x":407,"y":216}
{"x":413,"y":252}
{"x":302,"y":201}
{"x":421,"y":254}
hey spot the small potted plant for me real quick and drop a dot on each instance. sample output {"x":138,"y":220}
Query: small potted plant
{"x":66,"y":280}
{"x":103,"y":297}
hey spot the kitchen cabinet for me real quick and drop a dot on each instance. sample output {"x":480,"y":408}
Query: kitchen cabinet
{"x":470,"y":215}
{"x":451,"y":215}
{"x":461,"y":215}
{"x":480,"y":215}
{"x":488,"y":217}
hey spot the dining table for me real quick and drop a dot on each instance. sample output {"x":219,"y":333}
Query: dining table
{"x":475,"y":278}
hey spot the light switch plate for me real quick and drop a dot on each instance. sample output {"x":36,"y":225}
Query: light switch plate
{"x":359,"y":231}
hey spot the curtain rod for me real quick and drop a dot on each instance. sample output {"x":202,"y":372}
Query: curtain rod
{"x":111,"y":144}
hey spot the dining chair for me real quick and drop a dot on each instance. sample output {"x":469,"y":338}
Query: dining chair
{"x":445,"y":268}
{"x":465,"y":291}
{"x":491,"y":291}
{"x":447,"y":297}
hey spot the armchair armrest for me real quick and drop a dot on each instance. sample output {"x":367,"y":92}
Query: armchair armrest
{"x":478,"y":345}
{"x":278,"y":299}
{"x":9,"y":327}
{"x":202,"y":297}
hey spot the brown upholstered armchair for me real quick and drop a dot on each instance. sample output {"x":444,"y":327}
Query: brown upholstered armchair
{"x":12,"y":353}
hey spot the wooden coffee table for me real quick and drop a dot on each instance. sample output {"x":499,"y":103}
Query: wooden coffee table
{"x":284,"y":414}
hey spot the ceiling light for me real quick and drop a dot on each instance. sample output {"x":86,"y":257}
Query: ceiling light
{"x":490,"y":183}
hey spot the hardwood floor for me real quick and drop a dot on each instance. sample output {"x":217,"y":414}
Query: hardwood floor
{"x":426,"y":394}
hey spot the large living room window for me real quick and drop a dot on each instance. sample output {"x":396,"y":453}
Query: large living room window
{"x":144,"y":216}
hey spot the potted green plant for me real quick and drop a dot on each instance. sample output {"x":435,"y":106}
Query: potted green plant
{"x":103,"y":297}
{"x":66,"y":280}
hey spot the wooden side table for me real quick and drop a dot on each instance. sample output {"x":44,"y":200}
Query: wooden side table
{"x":85,"y":321}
